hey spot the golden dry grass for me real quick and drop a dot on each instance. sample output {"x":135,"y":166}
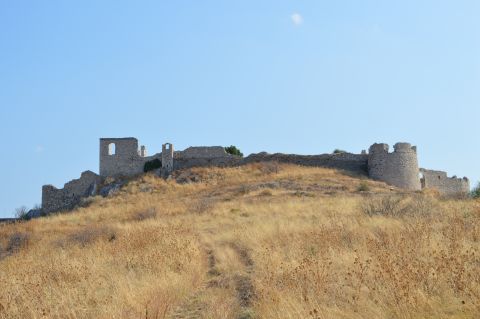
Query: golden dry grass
{"x":258,"y":241}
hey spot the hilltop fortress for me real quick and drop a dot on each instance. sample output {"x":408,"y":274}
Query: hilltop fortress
{"x":122,"y":157}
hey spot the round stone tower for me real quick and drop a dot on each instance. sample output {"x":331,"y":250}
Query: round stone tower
{"x":399,"y":168}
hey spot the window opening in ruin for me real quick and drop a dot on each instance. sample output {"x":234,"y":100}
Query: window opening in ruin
{"x":111,"y":149}
{"x":439,"y":177}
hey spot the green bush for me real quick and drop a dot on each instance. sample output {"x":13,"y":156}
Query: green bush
{"x":476,"y":191}
{"x":338,"y":151}
{"x":151,"y":165}
{"x":363,"y":187}
{"x":233,"y":150}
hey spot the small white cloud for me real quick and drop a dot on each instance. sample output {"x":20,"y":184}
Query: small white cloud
{"x":297,"y":18}
{"x":39,"y":149}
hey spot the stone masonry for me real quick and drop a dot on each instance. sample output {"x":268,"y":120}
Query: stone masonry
{"x":450,"y":186}
{"x":167,"y":158}
{"x":122,"y":157}
{"x":399,"y":168}
{"x":54,"y":199}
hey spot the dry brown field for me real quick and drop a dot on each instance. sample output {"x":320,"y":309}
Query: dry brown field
{"x":257,"y":241}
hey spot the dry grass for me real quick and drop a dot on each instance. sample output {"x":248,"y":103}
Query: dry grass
{"x":259,"y":241}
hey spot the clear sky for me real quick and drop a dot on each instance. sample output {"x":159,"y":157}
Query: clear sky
{"x":279,"y":76}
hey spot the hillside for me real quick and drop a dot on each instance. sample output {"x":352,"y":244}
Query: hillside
{"x":257,"y":241}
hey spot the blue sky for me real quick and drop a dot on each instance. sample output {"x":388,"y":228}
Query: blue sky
{"x":289,"y":76}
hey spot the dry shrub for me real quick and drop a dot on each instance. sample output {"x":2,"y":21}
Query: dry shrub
{"x":397,"y":205}
{"x":91,"y":234}
{"x":268,"y":168}
{"x":266,"y":192}
{"x":17,"y":241}
{"x":145,"y":214}
{"x":303,"y":194}
{"x":160,"y":305}
{"x":385,"y":205}
{"x":363,"y":187}
{"x":244,"y":190}
{"x":202,"y":205}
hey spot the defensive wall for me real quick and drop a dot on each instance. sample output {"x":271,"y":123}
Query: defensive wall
{"x":54,"y":199}
{"x":122,"y":157}
{"x":449,"y":186}
{"x":356,"y":163}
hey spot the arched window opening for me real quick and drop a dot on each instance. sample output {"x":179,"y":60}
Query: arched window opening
{"x":111,"y":149}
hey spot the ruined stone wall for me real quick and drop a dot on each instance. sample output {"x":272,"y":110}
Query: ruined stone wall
{"x":399,"y":168}
{"x":202,"y":152}
{"x":356,"y":163}
{"x":125,"y":160}
{"x":167,"y":158}
{"x":54,"y":199}
{"x":449,"y":186}
{"x":202,"y":156}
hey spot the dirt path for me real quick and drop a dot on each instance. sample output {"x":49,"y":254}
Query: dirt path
{"x":243,"y":282}
{"x":196,"y":304}
{"x":228,"y":291}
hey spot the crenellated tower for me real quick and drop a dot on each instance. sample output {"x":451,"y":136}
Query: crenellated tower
{"x":398,"y":168}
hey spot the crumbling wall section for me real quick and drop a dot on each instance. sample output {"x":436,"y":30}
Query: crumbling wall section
{"x":54,"y":199}
{"x":448,"y":186}
{"x":203,"y":156}
{"x":121,"y":157}
{"x":399,"y":168}
{"x":356,"y":163}
{"x":203,"y":152}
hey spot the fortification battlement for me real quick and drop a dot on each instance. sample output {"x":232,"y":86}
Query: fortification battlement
{"x":378,"y":148}
{"x":404,"y":147}
{"x":398,"y":147}
{"x":398,"y":168}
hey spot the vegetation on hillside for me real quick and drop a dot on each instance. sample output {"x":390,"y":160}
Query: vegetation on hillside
{"x":476,"y":191}
{"x":152,"y":165}
{"x":233,"y":150}
{"x":247,"y":242}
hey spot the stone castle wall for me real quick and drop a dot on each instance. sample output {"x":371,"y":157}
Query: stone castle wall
{"x":356,"y":163}
{"x":202,"y":156}
{"x":449,"y":186}
{"x":121,"y":157}
{"x":54,"y":199}
{"x":203,"y":152}
{"x":399,"y":168}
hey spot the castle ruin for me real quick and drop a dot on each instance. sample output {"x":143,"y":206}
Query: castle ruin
{"x":122,"y":157}
{"x":398,"y":168}
{"x":445,"y":185}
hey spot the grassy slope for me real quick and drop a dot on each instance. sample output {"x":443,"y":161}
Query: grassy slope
{"x":259,"y":241}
